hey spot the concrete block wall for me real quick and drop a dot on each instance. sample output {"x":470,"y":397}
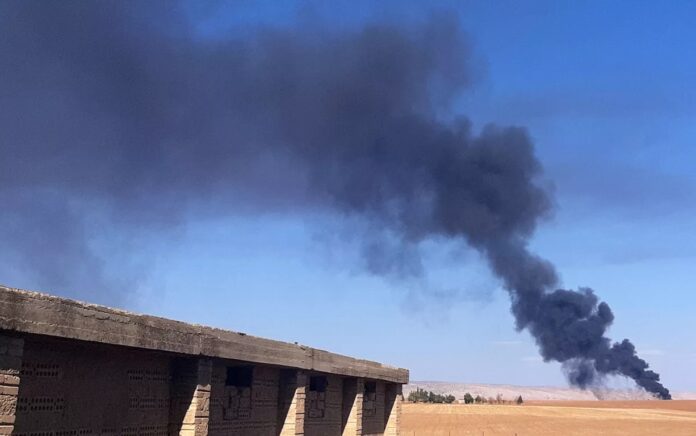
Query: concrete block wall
{"x":11,"y":352}
{"x":190,"y":386}
{"x":73,"y":369}
{"x":373,"y":408}
{"x":393,"y":400}
{"x":77,"y":389}
{"x":244,"y":410}
{"x":53,"y":387}
{"x":283,"y":402}
{"x":291,"y":402}
{"x":352,"y":406}
{"x":323,"y":414}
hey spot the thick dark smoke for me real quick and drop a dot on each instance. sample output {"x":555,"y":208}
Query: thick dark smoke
{"x":122,"y":107}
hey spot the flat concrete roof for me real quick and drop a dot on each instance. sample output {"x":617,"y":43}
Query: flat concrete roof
{"x":41,"y":314}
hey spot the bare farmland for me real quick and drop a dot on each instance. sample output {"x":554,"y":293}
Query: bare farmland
{"x":568,"y":418}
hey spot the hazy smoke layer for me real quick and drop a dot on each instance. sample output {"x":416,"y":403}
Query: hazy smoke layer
{"x":121,"y":104}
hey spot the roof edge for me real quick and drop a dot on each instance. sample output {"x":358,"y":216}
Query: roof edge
{"x":43,"y":314}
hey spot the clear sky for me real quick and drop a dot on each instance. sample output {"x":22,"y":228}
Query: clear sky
{"x":607,"y":91}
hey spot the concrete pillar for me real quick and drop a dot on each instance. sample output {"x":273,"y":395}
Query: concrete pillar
{"x":292,"y":404}
{"x":190,"y":410}
{"x":11,"y":351}
{"x":393,"y":398}
{"x":353,"y":391}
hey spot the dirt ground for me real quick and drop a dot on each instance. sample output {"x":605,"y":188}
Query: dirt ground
{"x":542,"y":418}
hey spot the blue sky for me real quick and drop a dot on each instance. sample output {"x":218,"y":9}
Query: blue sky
{"x":607,"y":91}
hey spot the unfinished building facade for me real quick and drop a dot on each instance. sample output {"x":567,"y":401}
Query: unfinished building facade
{"x":74,"y":369}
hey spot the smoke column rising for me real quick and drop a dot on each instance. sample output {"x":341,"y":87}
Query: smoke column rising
{"x":121,"y":104}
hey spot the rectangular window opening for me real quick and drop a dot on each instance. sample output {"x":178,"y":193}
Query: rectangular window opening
{"x":370,"y":387}
{"x":318,"y":383}
{"x":240,"y":376}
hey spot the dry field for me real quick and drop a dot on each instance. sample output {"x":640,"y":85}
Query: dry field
{"x":545,"y":418}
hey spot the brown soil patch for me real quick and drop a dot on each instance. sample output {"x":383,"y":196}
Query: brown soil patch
{"x":571,"y":418}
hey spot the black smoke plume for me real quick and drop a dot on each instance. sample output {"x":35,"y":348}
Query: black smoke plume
{"x":124,"y":107}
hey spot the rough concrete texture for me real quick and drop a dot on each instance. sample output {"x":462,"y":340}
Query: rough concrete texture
{"x":324,"y":407}
{"x":71,"y":369}
{"x":241,"y":409}
{"x":291,"y":391}
{"x":353,"y":390}
{"x":392,"y":409}
{"x":78,"y":387}
{"x":373,"y":409}
{"x":72,"y":388}
{"x":11,"y":351}
{"x":32,"y":312}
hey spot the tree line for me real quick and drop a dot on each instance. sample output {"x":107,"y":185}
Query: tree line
{"x":478,"y":399}
{"x":423,"y":396}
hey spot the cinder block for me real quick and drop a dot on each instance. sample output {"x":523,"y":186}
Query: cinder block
{"x":11,"y":350}
{"x":9,"y":390}
{"x":9,"y":380}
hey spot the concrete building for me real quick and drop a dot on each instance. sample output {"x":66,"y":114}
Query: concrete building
{"x":74,"y":369}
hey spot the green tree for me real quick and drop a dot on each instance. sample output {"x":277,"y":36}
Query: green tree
{"x":519,"y":400}
{"x":479,"y":399}
{"x":418,"y":396}
{"x":423,"y":396}
{"x":468,"y":399}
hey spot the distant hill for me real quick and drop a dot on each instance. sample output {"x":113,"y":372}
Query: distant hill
{"x":510,"y":392}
